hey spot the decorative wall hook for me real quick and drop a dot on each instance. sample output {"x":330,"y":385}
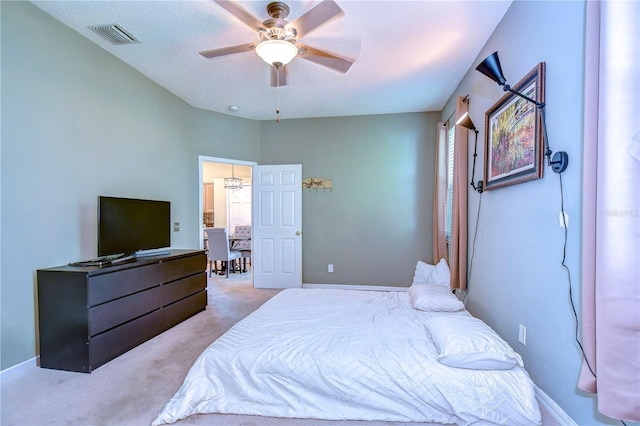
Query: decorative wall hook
{"x":317,"y":184}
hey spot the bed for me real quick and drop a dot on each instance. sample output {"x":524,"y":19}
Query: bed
{"x":359,"y":355}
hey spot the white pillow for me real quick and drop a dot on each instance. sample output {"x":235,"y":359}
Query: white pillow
{"x":441,"y":275}
{"x":464,"y":341}
{"x":423,"y":273}
{"x":434,"y":298}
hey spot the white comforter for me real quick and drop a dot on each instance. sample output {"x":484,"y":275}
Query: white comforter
{"x":345,"y":355}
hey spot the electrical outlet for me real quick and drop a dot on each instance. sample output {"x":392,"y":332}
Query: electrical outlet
{"x":330,"y":267}
{"x":522,"y":335}
{"x":176,"y":226}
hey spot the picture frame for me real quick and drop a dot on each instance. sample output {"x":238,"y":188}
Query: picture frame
{"x":514,"y":140}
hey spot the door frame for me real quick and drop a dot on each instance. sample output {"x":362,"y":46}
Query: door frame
{"x":207,"y":159}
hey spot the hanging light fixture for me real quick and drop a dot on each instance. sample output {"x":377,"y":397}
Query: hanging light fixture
{"x":277,"y":52}
{"x":277,"y":46}
{"x":233,"y":182}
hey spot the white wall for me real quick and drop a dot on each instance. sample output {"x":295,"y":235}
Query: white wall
{"x":517,"y":276}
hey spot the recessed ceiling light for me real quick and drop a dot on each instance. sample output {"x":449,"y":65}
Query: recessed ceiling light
{"x":234,"y":108}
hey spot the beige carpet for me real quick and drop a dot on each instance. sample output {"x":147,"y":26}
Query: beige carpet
{"x":133,"y":388}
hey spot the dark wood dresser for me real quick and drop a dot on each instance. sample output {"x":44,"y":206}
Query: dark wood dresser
{"x":90,"y":315}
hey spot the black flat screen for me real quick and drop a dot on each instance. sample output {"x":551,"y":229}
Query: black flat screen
{"x":127,"y":225}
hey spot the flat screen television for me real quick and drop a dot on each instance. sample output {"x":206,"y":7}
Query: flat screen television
{"x":127,"y":225}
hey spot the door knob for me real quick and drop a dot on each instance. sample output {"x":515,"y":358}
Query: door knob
{"x":297,"y":233}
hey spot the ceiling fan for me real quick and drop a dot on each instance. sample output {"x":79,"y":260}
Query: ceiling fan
{"x":278,"y":37}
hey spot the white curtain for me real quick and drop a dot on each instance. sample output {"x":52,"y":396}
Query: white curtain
{"x":611,"y":209}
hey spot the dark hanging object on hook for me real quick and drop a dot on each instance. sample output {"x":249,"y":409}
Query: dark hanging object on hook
{"x":466,"y":122}
{"x":492,"y":69}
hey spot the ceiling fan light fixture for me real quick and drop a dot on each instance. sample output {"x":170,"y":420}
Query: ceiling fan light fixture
{"x":276,"y":51}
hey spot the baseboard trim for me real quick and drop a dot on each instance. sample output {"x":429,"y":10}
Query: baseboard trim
{"x":18,"y":369}
{"x":553,"y":408}
{"x":355,"y":287}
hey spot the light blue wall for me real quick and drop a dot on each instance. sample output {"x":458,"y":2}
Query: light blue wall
{"x":376,"y":222}
{"x":219,"y":135}
{"x":78,"y":123}
{"x":517,"y":276}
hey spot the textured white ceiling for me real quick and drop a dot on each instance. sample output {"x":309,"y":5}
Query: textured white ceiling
{"x":410,"y":55}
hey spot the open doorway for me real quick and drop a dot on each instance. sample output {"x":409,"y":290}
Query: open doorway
{"x":219,"y":206}
{"x":276,"y":221}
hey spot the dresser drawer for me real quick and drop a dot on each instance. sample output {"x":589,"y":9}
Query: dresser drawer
{"x":180,"y":289}
{"x":108,"y":345}
{"x":178,"y":268}
{"x":119,"y":311}
{"x":183,"y":309}
{"x":106,"y":287}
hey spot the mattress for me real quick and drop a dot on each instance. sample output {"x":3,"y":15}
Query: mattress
{"x":346,"y":355}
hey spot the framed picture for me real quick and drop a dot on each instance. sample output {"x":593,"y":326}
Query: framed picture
{"x":513,"y":135}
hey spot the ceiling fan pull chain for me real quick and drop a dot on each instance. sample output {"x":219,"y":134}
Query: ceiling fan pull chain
{"x":278,"y":94}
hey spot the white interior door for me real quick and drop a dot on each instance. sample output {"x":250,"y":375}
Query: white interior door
{"x":277,"y":226}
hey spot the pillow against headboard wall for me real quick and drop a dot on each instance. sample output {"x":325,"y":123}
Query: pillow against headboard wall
{"x":441,"y":274}
{"x":426,"y":273}
{"x":422,"y":275}
{"x":434,"y":298}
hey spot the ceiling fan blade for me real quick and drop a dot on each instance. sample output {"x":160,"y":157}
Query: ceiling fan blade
{"x":236,"y":10}
{"x":317,"y":16}
{"x":325,"y":58}
{"x":213,"y":53}
{"x":278,"y":76}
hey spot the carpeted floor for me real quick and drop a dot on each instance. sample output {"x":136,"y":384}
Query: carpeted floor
{"x":133,"y":388}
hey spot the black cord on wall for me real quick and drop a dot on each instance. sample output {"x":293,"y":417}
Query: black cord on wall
{"x":573,"y":308}
{"x":566,"y":268}
{"x":473,"y":249}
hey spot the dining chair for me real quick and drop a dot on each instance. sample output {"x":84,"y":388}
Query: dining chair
{"x":219,"y":250}
{"x":243,"y":246}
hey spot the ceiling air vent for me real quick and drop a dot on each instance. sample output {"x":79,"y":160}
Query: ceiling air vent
{"x":115,"y":34}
